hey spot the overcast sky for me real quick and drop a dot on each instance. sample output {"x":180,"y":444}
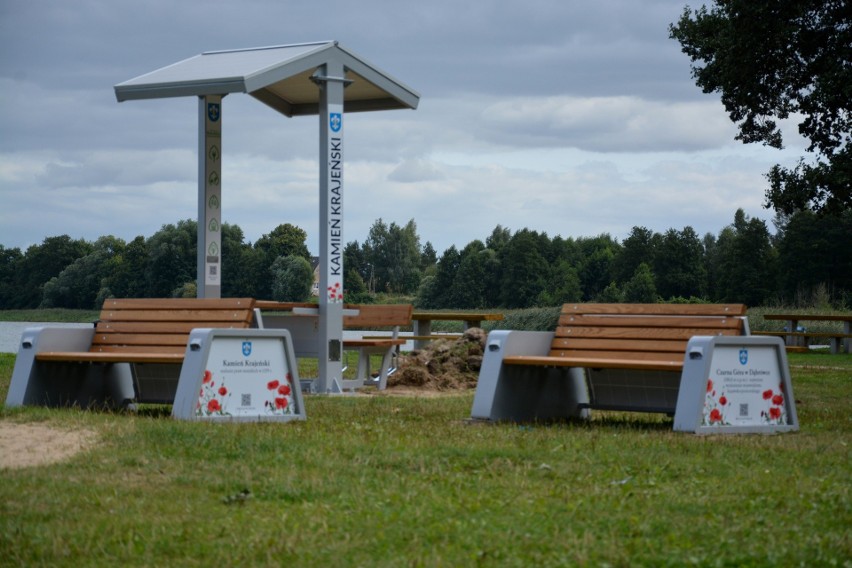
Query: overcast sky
{"x":570,"y":117}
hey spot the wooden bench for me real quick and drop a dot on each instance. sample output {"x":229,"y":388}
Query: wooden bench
{"x":148,"y":336}
{"x":800,"y":340}
{"x":615,"y":356}
{"x":356,"y":317}
{"x":423,"y":324}
{"x":154,"y":330}
{"x":371,"y":316}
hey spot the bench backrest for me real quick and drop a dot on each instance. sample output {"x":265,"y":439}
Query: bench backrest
{"x":649,"y":332}
{"x":162,"y":325}
{"x":378,"y":315}
{"x":369,"y":315}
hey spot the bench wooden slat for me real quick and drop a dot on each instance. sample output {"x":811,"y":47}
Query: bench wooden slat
{"x":172,"y":349}
{"x":379,"y":315}
{"x":176,"y":315}
{"x":388,"y":342}
{"x":161,"y":327}
{"x":680,"y":333}
{"x":676,"y":357}
{"x":606,"y":344}
{"x":595,"y":363}
{"x":173,"y":339}
{"x":193,"y":304}
{"x":657,"y":309}
{"x":705,"y":322}
{"x":110,"y":357}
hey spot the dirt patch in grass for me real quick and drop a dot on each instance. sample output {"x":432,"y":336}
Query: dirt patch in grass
{"x":444,"y":365}
{"x":27,"y":445}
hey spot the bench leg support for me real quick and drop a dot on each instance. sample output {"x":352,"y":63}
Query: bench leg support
{"x":521,"y":393}
{"x":40,"y":383}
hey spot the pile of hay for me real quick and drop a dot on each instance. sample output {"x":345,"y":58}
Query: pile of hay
{"x":445,"y":364}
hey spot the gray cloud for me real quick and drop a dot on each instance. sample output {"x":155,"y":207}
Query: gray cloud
{"x":533,"y":113}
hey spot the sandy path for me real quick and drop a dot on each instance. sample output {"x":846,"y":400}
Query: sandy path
{"x":26,"y":445}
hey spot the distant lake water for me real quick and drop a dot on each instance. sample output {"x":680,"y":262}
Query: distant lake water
{"x":11,"y":331}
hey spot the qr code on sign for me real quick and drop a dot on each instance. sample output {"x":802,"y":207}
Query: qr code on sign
{"x":246,"y":399}
{"x":744,"y":409}
{"x":213,"y":270}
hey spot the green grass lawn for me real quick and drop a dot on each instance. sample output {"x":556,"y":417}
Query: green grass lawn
{"x":397,"y":481}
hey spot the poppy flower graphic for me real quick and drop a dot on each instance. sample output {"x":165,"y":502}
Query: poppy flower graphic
{"x":335,"y":293}
{"x":767,"y":394}
{"x":211,"y":400}
{"x":778,"y":400}
{"x":774,"y":413}
{"x":715,"y":416}
{"x":281,"y":401}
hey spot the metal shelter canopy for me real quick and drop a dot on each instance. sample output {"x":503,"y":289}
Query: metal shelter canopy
{"x":320,"y":78}
{"x":279,"y":76}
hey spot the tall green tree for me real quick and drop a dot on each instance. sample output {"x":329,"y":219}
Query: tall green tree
{"x":595,"y":267}
{"x":394,"y":255}
{"x":434,"y":290}
{"x":173,"y":262}
{"x":9,"y":259}
{"x":637,"y":248}
{"x":428,"y":257}
{"x":292,"y":278}
{"x":468,"y":290}
{"x":128,"y":278}
{"x":84,"y":282}
{"x":563,"y":285}
{"x":748,"y":262}
{"x":679,"y":265}
{"x":815,"y":251}
{"x":525,"y":270}
{"x":779,"y":59}
{"x":283,"y":240}
{"x":41,"y":263}
{"x":640,"y":289}
{"x":238,"y":260}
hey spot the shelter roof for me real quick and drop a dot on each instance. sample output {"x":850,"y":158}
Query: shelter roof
{"x":279,"y":76}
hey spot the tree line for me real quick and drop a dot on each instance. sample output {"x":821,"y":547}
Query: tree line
{"x":808,"y":255}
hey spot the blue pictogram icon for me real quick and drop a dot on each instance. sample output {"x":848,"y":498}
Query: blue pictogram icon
{"x":213,"y":112}
{"x":335,"y":121}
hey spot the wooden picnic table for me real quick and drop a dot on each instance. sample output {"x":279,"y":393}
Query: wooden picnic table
{"x":422,"y":323}
{"x":792,"y":333}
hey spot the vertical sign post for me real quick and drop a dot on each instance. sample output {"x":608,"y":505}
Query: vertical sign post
{"x":331,"y":81}
{"x":209,"y":196}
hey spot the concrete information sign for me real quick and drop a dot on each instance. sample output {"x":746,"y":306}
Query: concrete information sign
{"x":239,"y":375}
{"x":735,"y":385}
